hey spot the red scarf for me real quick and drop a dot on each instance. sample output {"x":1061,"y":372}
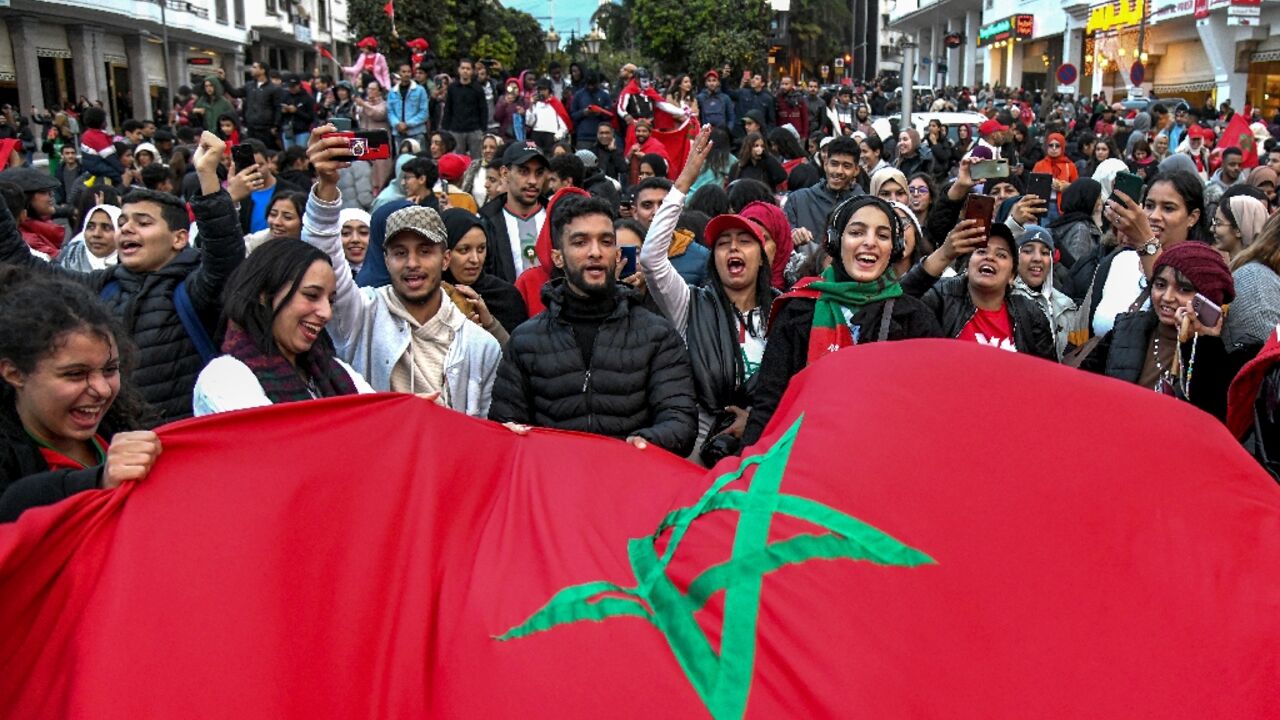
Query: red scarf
{"x":1244,"y":389}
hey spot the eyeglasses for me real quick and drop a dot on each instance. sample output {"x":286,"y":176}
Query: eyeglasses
{"x":918,"y":190}
{"x":1215,"y":224}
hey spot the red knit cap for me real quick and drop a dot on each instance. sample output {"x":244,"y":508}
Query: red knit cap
{"x":452,"y":166}
{"x":1204,"y":267}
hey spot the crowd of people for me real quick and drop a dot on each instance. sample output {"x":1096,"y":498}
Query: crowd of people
{"x":595,"y":254}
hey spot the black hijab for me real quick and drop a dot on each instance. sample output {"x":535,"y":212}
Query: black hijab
{"x":1078,"y":201}
{"x":502,"y":298}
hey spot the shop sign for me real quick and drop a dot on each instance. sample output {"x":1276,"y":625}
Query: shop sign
{"x":1014,"y":26}
{"x":1169,"y":11}
{"x":1114,"y":15}
{"x":302,"y":33}
{"x":1204,"y":7}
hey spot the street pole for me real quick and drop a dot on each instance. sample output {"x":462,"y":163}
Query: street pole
{"x":853,"y":35}
{"x":908,"y":73}
{"x":168,"y":59}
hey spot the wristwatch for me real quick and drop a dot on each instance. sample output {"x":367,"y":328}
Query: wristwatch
{"x":1152,"y":247}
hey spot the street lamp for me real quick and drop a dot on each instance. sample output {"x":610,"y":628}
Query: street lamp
{"x":594,"y":38}
{"x":552,"y":40}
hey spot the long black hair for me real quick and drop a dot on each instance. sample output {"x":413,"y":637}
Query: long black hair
{"x":252,"y":288}
{"x":37,"y":313}
{"x":787,"y":146}
{"x":710,"y":199}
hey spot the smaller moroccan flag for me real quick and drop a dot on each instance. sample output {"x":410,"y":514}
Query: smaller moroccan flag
{"x":324,"y":52}
{"x":1238,"y":135}
{"x":390,"y":9}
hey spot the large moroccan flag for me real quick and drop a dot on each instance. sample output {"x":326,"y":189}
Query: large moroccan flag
{"x":928,"y":529}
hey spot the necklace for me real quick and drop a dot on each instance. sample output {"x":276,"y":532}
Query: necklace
{"x":1183,"y":379}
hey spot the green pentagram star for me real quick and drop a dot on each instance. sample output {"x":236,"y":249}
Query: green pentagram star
{"x":723,"y":680}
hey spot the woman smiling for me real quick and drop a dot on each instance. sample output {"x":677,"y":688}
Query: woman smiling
{"x":278,"y":304}
{"x":66,"y":411}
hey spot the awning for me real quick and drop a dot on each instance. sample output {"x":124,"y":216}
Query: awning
{"x":1177,"y":87}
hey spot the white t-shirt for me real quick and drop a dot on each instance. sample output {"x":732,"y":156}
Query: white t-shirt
{"x":1125,"y":282}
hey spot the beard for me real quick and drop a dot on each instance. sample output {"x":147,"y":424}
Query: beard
{"x":576,"y":277}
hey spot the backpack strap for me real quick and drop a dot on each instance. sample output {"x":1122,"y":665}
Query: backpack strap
{"x":109,"y":291}
{"x":884,"y":320}
{"x":191,"y":322}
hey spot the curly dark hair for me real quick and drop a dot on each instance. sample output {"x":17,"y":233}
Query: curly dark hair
{"x":37,"y":313}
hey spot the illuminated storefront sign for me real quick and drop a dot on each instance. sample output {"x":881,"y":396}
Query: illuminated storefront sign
{"x":1015,"y":26}
{"x":1113,"y":15}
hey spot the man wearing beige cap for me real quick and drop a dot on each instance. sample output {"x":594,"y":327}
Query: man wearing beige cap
{"x":407,"y":336}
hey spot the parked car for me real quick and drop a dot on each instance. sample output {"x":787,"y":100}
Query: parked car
{"x":951,"y":122}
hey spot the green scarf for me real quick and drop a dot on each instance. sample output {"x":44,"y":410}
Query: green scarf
{"x":830,"y":332}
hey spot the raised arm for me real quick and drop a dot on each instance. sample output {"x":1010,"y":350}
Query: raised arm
{"x":670,"y":291}
{"x":320,"y":228}
{"x":221,"y":242}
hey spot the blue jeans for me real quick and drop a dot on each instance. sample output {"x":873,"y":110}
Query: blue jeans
{"x":299,"y":139}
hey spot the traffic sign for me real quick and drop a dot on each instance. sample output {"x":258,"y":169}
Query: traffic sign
{"x":839,"y":62}
{"x":1137,"y":74}
{"x":1067,"y":73}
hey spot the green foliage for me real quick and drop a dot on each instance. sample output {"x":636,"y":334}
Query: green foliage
{"x":502,"y":47}
{"x":705,"y":33}
{"x":454,"y":28}
{"x":818,"y":32}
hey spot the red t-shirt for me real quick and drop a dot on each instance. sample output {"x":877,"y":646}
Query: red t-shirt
{"x":990,"y":327}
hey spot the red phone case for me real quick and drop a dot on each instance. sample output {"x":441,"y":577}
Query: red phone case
{"x":367,"y":145}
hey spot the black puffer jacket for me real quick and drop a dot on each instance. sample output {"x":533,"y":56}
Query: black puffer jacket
{"x":639,"y":382}
{"x":1122,"y":352}
{"x":167,"y":359}
{"x":25,"y":478}
{"x":948,"y":299}
{"x":787,"y":352}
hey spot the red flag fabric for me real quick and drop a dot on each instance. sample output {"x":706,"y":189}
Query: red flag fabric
{"x":390,"y":9}
{"x":324,"y":52}
{"x":1237,"y":134}
{"x":677,"y":144}
{"x":384,"y":557}
{"x":1245,"y":386}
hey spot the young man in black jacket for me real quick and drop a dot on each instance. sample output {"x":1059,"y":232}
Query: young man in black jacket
{"x":261,"y":109}
{"x":595,"y":360}
{"x":466,"y":113}
{"x":155,"y":259}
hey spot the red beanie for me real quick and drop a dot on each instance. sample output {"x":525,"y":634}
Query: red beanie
{"x":452,"y":166}
{"x":1204,"y":267}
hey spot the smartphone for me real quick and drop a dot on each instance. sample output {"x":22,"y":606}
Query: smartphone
{"x":627,"y":201}
{"x":341,"y":124}
{"x":367,"y":145}
{"x":1129,"y":184}
{"x":980,"y":208}
{"x":629,"y":255}
{"x":242,"y":156}
{"x":1209,"y":313}
{"x":988,"y":169}
{"x":1040,"y":185}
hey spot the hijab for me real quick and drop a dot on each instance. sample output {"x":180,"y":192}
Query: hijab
{"x":1078,"y":201}
{"x":1250,"y":214}
{"x":775,"y":221}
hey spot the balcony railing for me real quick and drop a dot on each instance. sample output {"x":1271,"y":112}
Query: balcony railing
{"x":187,"y":7}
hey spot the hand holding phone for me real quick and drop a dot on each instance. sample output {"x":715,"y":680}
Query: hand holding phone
{"x":1040,"y":185}
{"x":1207,"y":312}
{"x":980,"y":208}
{"x":989,"y":169}
{"x":242,"y":156}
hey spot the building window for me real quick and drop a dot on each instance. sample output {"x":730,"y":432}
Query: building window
{"x":239,"y":7}
{"x":322,"y":15}
{"x":221,"y":8}
{"x":271,"y":7}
